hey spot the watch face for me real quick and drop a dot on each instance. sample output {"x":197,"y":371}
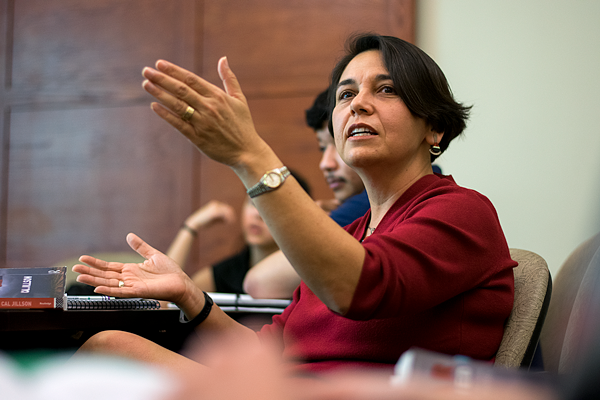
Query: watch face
{"x":272,"y":180}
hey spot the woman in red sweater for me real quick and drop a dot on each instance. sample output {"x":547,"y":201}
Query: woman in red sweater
{"x":427,"y":266}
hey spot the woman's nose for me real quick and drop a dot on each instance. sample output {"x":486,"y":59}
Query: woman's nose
{"x":361,"y":103}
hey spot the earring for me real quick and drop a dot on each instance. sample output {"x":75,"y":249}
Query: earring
{"x":435,"y":149}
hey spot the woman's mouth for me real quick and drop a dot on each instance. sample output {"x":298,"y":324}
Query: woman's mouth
{"x":361,"y":131}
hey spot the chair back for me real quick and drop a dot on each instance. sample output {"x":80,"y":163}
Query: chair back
{"x":533,"y":287}
{"x":572,"y":311}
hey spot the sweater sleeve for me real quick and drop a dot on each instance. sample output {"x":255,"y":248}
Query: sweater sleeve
{"x":444,"y":242}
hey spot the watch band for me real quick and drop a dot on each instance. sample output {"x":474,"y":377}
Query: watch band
{"x":261,"y":186}
{"x":198,"y":319}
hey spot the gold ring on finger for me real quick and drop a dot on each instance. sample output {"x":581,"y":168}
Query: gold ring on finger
{"x":187,"y":115}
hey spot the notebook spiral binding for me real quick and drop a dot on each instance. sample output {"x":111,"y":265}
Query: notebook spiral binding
{"x":112,"y":304}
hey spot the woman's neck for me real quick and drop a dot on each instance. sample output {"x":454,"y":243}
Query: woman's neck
{"x":385,"y":187}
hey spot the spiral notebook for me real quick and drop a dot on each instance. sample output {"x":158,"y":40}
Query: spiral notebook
{"x":110,"y":303}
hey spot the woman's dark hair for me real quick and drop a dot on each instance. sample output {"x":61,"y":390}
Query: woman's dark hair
{"x":419,"y":81}
{"x":318,"y":114}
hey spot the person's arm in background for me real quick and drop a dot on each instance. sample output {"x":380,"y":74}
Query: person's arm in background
{"x":205,"y":279}
{"x":209,"y":214}
{"x":274,"y":277}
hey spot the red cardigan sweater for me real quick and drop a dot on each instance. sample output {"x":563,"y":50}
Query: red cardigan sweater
{"x":437,"y":275}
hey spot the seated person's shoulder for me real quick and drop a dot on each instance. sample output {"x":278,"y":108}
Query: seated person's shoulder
{"x":351,"y":209}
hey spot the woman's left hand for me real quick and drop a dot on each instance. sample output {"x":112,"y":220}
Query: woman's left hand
{"x":158,"y":277}
{"x":221,"y":124}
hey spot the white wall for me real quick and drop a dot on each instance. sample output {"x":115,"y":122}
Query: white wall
{"x":531,"y":68}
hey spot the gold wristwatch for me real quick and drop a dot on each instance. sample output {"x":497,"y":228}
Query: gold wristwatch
{"x":270,"y":181}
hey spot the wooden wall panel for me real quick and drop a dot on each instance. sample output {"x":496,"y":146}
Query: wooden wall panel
{"x":84,"y":160}
{"x":6,"y":32}
{"x":94,"y":51}
{"x":84,"y":182}
{"x":88,"y":161}
{"x":286,"y":48}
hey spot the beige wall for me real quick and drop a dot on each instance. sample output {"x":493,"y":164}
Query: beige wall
{"x":531,"y":69}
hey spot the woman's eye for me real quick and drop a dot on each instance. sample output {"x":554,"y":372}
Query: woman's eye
{"x":344,"y":95}
{"x":388,"y":90}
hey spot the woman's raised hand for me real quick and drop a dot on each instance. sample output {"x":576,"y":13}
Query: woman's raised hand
{"x":158,"y":277}
{"x":220,"y":124}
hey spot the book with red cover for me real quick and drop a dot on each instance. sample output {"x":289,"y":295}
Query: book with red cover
{"x":32,"y":288}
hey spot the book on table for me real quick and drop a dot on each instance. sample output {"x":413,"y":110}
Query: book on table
{"x":44,"y":287}
{"x":33,"y":288}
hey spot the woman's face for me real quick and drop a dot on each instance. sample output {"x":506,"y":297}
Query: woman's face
{"x":254,"y":228}
{"x":371,"y":122}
